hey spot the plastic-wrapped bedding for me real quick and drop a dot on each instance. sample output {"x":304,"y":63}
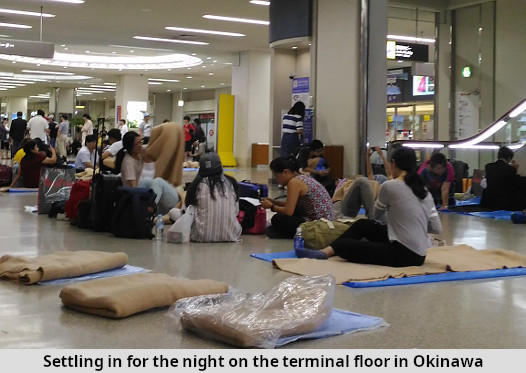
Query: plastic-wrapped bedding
{"x":295,"y":306}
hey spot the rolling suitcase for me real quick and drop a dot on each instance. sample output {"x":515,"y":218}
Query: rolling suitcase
{"x":104,"y":197}
{"x":253,"y":190}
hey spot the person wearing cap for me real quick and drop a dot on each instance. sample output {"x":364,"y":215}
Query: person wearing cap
{"x":130,"y":162}
{"x":215,"y":199}
{"x":145,"y":128}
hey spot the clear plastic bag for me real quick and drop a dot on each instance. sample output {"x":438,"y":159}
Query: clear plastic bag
{"x":295,"y":306}
{"x":179,"y":232}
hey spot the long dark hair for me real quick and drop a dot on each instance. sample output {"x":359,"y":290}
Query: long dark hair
{"x":297,"y":109}
{"x":128,"y":143}
{"x":405,"y":159}
{"x":28,"y":149}
{"x":281,"y":164}
{"x":214,"y":182}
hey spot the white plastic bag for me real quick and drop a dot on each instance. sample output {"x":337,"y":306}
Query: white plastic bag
{"x":179,"y":232}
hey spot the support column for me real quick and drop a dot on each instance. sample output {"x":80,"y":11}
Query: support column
{"x":16,"y":104}
{"x":251,"y":88}
{"x":131,"y":99}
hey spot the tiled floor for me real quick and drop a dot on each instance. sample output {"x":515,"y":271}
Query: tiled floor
{"x":462,"y":314}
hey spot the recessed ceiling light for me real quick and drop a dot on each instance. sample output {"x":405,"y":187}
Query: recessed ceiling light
{"x":155,"y":83}
{"x":193,"y":54}
{"x":210,"y":73}
{"x":260,"y":2}
{"x":13,"y":62}
{"x":113,"y":52}
{"x":45,"y":72}
{"x":69,"y":1}
{"x":410,"y":38}
{"x":66,"y":49}
{"x":13,"y":25}
{"x":208,"y":58}
{"x":26,"y":13}
{"x":203,"y":66}
{"x":188,"y":77}
{"x":214,"y":61}
{"x":200,"y":31}
{"x":234,"y":19}
{"x":132,"y":51}
{"x":170,"y":40}
{"x":62,"y":45}
{"x":185,"y":88}
{"x":221,"y":83}
{"x":168,"y":90}
{"x":108,"y":88}
{"x":164,"y":80}
{"x":202,"y":86}
{"x":110,"y":83}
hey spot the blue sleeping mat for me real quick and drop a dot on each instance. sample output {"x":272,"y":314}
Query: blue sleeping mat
{"x":439,"y":277}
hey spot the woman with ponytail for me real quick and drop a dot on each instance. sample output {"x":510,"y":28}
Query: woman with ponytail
{"x":410,"y":213}
{"x":306,"y":200}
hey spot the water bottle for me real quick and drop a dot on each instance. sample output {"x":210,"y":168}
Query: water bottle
{"x":298,"y":239}
{"x":159,"y":228}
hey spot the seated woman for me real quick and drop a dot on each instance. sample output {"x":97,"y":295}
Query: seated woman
{"x":214,"y":196}
{"x":31,"y":164}
{"x":410,"y":214}
{"x":130,"y":162}
{"x":306,"y":200}
{"x":505,"y":189}
{"x":439,"y":178}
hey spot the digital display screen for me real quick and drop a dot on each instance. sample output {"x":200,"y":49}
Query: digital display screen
{"x":423,"y":85}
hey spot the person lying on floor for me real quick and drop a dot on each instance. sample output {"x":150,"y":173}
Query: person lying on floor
{"x":215,"y":199}
{"x":130,"y":163}
{"x":410,"y":214}
{"x":306,"y":200}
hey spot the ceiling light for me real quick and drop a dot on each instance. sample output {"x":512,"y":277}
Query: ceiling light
{"x":294,"y":47}
{"x":423,"y":145}
{"x":110,"y":83}
{"x":170,"y":40}
{"x":103,"y":87}
{"x":234,"y":19}
{"x":181,"y":102}
{"x":164,"y":80}
{"x":188,"y":77}
{"x":259,"y":2}
{"x":210,"y":74}
{"x":200,"y":31}
{"x":202,"y":86}
{"x":168,"y":90}
{"x":92,"y":61}
{"x":155,"y":83}
{"x":3,"y":80}
{"x":80,"y":106}
{"x":26,"y":13}
{"x":69,"y":1}
{"x":410,"y":38}
{"x":13,"y":25}
{"x":45,"y":72}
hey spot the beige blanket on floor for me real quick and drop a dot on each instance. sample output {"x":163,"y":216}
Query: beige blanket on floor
{"x":123,"y":296}
{"x":441,"y":259}
{"x":62,"y":264}
{"x":166,"y":148}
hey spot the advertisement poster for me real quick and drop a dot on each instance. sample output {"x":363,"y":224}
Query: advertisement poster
{"x":301,"y":92}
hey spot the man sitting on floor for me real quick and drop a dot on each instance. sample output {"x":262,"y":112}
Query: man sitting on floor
{"x":86,"y":155}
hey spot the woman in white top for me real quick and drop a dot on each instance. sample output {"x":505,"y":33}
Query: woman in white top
{"x":86,"y":128}
{"x":130,"y":162}
{"x":214,"y":196}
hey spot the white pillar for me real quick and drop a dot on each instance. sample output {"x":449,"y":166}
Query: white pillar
{"x":251,"y":88}
{"x":16,"y":104}
{"x":131,"y":89}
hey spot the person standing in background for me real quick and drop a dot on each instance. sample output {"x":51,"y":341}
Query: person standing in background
{"x":292,"y":129}
{"x":53,"y":130}
{"x":145,"y":128}
{"x":86,"y":128}
{"x":4,"y":137}
{"x":38,"y":127}
{"x":123,"y":127}
{"x":17,"y":132}
{"x":188,"y":130}
{"x":62,"y":136}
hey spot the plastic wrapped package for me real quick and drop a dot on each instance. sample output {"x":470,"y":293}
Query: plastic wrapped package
{"x":295,"y":306}
{"x":54,"y":186}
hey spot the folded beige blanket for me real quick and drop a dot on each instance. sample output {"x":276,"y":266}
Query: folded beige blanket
{"x":166,"y":148}
{"x":123,"y":296}
{"x":459,"y":258}
{"x":62,"y":264}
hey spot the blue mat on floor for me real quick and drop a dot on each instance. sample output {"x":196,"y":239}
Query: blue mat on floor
{"x":190,"y":169}
{"x":268,"y":257}
{"x":439,"y":277}
{"x":126,"y":270}
{"x":339,"y":322}
{"x":23,"y":190}
{"x":469,"y":202}
{"x":497,"y":215}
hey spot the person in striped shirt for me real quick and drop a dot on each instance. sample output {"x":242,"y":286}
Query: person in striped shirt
{"x":292,"y":129}
{"x":215,"y":199}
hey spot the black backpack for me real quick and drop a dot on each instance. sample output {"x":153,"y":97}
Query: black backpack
{"x":133,"y":216}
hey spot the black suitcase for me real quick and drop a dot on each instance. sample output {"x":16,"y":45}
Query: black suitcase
{"x":104,"y":197}
{"x":84,"y":214}
{"x":133,"y":216}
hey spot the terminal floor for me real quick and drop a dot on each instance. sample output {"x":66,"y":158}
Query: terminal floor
{"x":462,"y":314}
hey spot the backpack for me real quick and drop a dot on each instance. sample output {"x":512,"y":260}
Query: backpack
{"x":133,"y":216}
{"x":79,"y":192}
{"x":253,"y":219}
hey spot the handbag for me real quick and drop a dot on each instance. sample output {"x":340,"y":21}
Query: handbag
{"x":179,"y":232}
{"x":253,"y":219}
{"x":320,"y":233}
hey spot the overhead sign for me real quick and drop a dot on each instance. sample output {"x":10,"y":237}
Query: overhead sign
{"x":27,"y":48}
{"x":407,"y":51}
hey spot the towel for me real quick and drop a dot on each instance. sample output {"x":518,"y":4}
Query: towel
{"x":62,"y":264}
{"x":166,"y":148}
{"x":118,"y":297}
{"x":441,"y":259}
